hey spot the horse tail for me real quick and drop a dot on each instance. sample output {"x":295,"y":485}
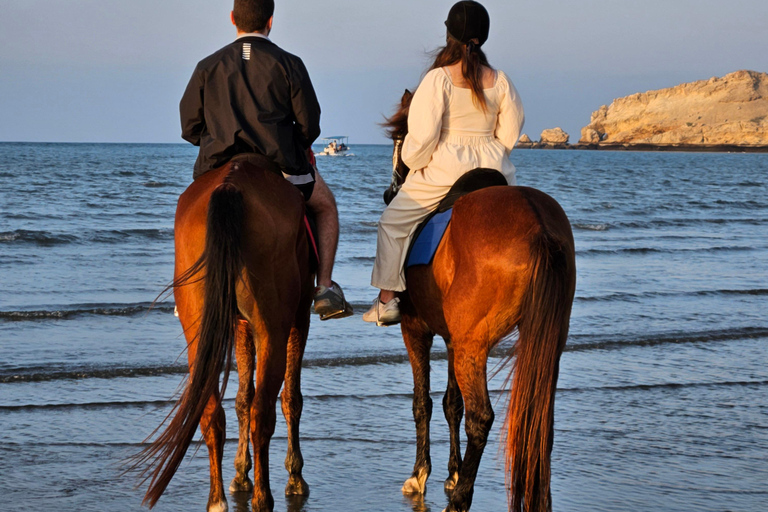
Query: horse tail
{"x":543,"y":330}
{"x":222,"y":261}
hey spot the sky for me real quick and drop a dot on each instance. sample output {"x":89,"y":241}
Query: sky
{"x":114,"y":71}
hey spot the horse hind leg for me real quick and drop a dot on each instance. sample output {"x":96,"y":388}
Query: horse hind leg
{"x":453,"y":409}
{"x":244,"y":354}
{"x":418,"y":341}
{"x":213,"y":427}
{"x":470,"y":367}
{"x":292,"y":404}
{"x":270,"y":371}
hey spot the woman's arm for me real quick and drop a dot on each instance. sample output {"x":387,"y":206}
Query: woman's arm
{"x":425,"y":119}
{"x":511,"y":115}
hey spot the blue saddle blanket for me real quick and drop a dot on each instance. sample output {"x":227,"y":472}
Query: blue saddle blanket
{"x":424,"y":247}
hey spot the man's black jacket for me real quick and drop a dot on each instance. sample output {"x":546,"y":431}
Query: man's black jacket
{"x":251,"y":97}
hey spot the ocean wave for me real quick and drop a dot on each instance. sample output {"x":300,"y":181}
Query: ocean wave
{"x":635,"y":297}
{"x":48,"y":239}
{"x":330,"y":397}
{"x":659,"y":250}
{"x":39,"y":374}
{"x":41,"y":238}
{"x":361,"y":259}
{"x":591,"y":227}
{"x":158,"y":184}
{"x":740,"y":204}
{"x":610,"y":343}
{"x":197,"y":443}
{"x":685,"y":222}
{"x":57,"y":372}
{"x":668,"y":385}
{"x":90,"y":405}
{"x":121,"y":235}
{"x":75,"y":310}
{"x":578,"y":343}
{"x":72,"y":311}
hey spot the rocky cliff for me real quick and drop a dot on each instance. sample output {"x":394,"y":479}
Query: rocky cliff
{"x":732,"y":110}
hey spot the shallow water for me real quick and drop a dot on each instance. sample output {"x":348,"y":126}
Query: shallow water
{"x":663,"y":394}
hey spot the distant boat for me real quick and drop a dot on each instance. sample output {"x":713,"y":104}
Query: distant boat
{"x":335,"y":146}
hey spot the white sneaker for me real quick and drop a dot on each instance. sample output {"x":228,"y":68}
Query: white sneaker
{"x":383,"y":313}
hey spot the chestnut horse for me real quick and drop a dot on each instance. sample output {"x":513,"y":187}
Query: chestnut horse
{"x":506,"y":261}
{"x":242,"y":284}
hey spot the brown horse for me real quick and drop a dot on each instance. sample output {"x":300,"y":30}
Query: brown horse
{"x":242,"y":284}
{"x":505,"y":262}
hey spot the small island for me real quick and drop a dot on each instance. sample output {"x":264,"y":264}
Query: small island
{"x":719,"y":114}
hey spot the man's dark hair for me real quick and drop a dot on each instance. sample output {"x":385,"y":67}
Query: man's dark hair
{"x":253,"y":15}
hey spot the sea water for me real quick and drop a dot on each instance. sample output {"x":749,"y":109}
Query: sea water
{"x":663,"y":392}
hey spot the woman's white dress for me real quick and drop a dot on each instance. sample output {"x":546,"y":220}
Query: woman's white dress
{"x":448,"y":135}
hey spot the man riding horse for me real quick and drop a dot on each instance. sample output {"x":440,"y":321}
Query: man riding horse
{"x":252,"y":100}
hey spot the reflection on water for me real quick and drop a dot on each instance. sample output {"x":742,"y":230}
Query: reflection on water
{"x":416,"y":502}
{"x":241,"y":502}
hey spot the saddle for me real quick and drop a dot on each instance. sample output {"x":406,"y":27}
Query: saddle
{"x":258,"y":160}
{"x":430,"y":232}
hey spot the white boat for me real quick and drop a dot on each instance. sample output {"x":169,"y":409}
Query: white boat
{"x":335,"y":146}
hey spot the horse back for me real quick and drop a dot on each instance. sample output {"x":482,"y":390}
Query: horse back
{"x":274,"y":208}
{"x":482,"y":268}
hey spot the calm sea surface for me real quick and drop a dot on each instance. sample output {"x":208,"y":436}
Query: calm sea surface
{"x":663,"y":394}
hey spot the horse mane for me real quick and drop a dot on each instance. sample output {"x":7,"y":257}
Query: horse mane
{"x":396,"y":125}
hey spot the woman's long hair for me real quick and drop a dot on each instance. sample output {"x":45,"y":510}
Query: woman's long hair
{"x":472,"y":61}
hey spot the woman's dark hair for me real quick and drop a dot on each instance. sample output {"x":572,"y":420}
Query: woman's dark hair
{"x":472,"y":61}
{"x":253,"y":15}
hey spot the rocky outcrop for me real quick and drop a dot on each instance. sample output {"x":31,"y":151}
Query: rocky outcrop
{"x":554,"y":137}
{"x":732,"y":110}
{"x":590,"y":136}
{"x":524,"y":142}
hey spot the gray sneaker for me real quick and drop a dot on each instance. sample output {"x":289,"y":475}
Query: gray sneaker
{"x":383,"y":313}
{"x":330,"y":302}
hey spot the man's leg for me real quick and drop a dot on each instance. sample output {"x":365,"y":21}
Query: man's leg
{"x":323,"y":206}
{"x":329,"y":299}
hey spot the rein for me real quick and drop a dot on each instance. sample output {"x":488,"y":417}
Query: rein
{"x":397,"y":179}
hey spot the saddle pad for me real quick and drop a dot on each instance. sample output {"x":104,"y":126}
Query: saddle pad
{"x":424,"y":247}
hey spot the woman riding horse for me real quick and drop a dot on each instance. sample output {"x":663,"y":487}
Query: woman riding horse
{"x":464,"y":115}
{"x":506,"y":262}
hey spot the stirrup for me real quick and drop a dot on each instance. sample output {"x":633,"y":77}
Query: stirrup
{"x":330,"y":302}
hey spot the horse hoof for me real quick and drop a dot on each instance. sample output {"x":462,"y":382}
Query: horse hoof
{"x":417,"y":484}
{"x":296,"y":486}
{"x":450,"y":482}
{"x":241,"y":485}
{"x":219,"y":507}
{"x":411,"y":486}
